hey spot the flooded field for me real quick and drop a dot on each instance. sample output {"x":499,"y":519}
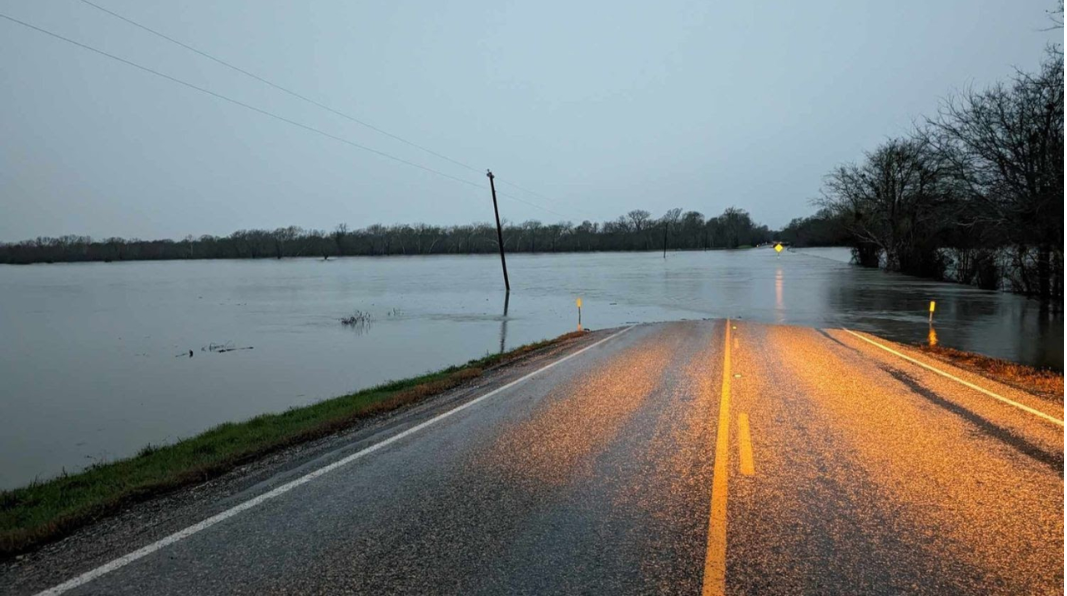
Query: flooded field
{"x":100,"y":359}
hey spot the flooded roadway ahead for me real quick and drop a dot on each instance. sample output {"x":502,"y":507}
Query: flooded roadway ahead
{"x":694,"y":457}
{"x":98,"y":362}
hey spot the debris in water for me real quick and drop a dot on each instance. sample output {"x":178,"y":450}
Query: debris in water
{"x":221,"y":348}
{"x":360,"y":319}
{"x":358,"y":322}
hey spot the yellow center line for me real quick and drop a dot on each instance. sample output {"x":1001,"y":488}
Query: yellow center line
{"x":715,"y":561}
{"x":947,"y":375}
{"x":747,"y":467}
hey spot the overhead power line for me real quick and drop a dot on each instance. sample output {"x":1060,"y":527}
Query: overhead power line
{"x":281,"y":88}
{"x":318,"y":104}
{"x":536,"y":194}
{"x":257,"y":110}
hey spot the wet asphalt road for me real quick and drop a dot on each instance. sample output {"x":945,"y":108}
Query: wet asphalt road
{"x":868,"y":474}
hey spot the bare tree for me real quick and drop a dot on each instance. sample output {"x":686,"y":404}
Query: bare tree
{"x":895,"y":204}
{"x":639,"y":219}
{"x":339,"y":234}
{"x":1007,"y":146}
{"x":669,"y":221}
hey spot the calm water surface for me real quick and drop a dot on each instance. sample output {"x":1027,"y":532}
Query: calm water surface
{"x":94,"y":358}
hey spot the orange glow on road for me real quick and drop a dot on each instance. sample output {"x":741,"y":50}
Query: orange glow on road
{"x":744,"y":437}
{"x":947,"y":375}
{"x":715,"y":562}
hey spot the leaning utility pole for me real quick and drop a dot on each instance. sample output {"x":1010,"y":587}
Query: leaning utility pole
{"x":499,"y":233}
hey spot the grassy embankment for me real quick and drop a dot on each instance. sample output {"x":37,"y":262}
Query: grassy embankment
{"x":45,"y":511}
{"x":1041,"y":382}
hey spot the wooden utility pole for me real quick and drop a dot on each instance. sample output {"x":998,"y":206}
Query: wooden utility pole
{"x":499,"y":233}
{"x":666,"y":224}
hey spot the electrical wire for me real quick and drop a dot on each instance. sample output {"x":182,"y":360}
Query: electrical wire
{"x":259,"y":110}
{"x":321,"y":105}
{"x":280,"y":88}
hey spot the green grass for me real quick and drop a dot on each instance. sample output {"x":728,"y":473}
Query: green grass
{"x":45,"y":511}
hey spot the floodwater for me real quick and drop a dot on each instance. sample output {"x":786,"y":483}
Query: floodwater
{"x":99,"y":359}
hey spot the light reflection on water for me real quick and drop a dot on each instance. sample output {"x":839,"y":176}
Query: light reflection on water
{"x":95,"y":357}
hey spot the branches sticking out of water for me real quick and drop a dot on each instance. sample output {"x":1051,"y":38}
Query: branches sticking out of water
{"x":359,"y":321}
{"x":359,"y":318}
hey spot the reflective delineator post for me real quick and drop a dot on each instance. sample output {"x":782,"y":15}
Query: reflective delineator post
{"x":579,"y":302}
{"x":932,"y":306}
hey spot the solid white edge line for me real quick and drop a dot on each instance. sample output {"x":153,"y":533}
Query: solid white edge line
{"x":995,"y":396}
{"x":122,"y":561}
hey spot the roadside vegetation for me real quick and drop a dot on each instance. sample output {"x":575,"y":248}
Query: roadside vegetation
{"x":45,"y":511}
{"x":1041,"y":382}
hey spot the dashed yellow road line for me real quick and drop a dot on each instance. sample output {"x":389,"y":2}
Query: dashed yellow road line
{"x":748,"y":468}
{"x":947,"y":375}
{"x":715,"y":560}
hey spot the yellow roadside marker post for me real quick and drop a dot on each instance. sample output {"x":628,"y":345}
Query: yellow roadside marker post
{"x":931,"y":336}
{"x":579,"y":314}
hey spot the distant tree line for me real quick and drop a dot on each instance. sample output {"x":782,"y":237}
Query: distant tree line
{"x":825,"y":228}
{"x":974,"y":195}
{"x":637,"y":230}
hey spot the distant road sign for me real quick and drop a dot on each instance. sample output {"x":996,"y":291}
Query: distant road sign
{"x":778,"y":248}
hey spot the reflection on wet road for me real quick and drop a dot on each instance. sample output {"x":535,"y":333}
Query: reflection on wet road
{"x":695,"y":457}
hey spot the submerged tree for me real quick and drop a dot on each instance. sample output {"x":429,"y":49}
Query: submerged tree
{"x":895,"y":203}
{"x":1007,"y":145}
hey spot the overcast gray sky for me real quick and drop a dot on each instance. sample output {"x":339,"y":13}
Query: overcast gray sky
{"x":599,"y":107}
